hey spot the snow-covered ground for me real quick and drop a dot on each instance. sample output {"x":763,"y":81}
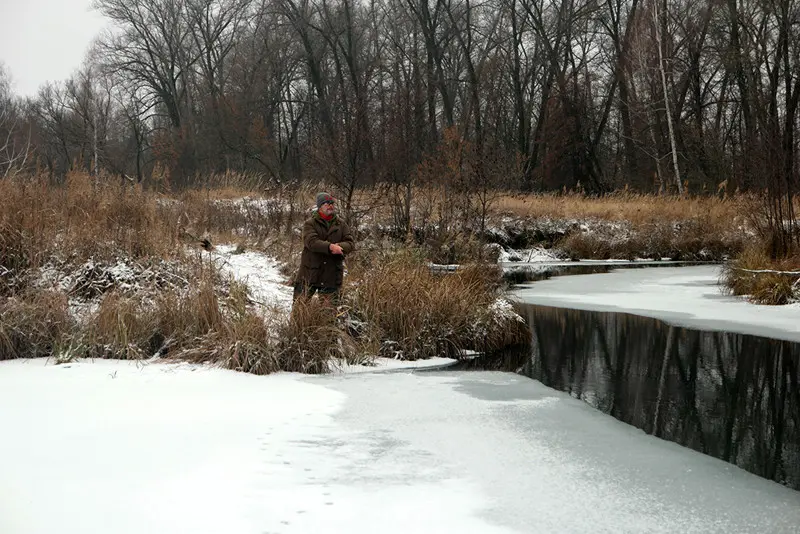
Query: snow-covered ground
{"x":531,"y":255}
{"x":115,"y":448}
{"x":684,"y":296}
{"x":260,"y":272}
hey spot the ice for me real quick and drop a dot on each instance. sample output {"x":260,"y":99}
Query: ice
{"x":380,"y":365}
{"x":684,"y":296}
{"x":116,"y":447}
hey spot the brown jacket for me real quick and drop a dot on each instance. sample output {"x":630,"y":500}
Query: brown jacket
{"x":318,"y":267}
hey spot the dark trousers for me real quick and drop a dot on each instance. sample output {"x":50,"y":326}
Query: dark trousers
{"x":307,"y":291}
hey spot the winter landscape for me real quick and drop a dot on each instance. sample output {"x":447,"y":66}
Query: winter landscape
{"x":135,"y":446}
{"x":554,"y":246}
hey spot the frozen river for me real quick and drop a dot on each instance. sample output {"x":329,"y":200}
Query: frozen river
{"x":115,"y":447}
{"x":683,"y":296}
{"x":110,"y":447}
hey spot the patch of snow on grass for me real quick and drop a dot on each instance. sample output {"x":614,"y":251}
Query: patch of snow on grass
{"x":531,"y":255}
{"x":502,"y":311}
{"x":260,"y":272}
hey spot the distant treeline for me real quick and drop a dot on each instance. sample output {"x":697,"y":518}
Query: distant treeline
{"x":521,"y":94}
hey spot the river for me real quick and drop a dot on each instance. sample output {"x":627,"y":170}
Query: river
{"x":685,"y":373}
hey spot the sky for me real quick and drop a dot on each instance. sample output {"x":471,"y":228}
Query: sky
{"x":45,"y":40}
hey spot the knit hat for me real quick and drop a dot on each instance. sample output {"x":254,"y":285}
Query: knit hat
{"x":324,"y":198}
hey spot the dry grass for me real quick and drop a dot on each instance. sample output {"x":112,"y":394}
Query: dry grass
{"x":701,"y":238}
{"x":420,"y":314}
{"x":315,"y":335}
{"x":34,"y":324}
{"x":81,"y":219}
{"x":761,"y":288}
{"x":16,"y":257}
{"x":200,"y":327}
{"x":399,"y":305}
{"x":618,"y":225}
{"x":624,"y":206}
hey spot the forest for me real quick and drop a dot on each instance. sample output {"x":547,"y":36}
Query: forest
{"x":529,"y":95}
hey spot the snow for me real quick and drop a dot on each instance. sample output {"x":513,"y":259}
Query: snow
{"x":502,"y":310}
{"x":116,"y":447}
{"x":122,"y":448}
{"x":531,"y":255}
{"x":384,"y":365}
{"x":683,"y":296}
{"x":260,"y":272}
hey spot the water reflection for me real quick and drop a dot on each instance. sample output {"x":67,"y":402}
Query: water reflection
{"x":732,"y":396}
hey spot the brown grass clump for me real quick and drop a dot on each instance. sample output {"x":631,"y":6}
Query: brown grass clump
{"x":135,"y":328}
{"x":80,"y":219}
{"x":243,"y":342}
{"x":584,"y":246}
{"x":694,"y":239}
{"x":122,"y":329}
{"x":203,"y":326}
{"x":420,"y":314}
{"x":761,"y":287}
{"x":315,"y":336}
{"x":33,"y":324}
{"x":636,"y":208}
{"x":16,"y":258}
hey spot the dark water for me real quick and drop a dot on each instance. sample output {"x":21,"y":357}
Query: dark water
{"x":732,"y":396}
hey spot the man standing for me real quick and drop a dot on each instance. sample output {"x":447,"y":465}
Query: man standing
{"x":326,"y":241}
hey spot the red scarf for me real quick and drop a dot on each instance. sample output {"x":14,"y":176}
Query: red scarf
{"x":326,"y":218}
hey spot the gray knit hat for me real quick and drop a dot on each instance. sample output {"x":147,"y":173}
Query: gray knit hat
{"x":324,"y":198}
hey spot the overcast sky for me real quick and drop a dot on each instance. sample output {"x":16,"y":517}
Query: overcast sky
{"x":45,"y":40}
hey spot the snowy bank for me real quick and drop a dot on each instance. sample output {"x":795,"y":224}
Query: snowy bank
{"x":115,"y":447}
{"x":684,"y":296}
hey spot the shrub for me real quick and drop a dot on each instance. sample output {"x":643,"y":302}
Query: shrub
{"x":761,"y":287}
{"x":313,"y":336}
{"x":33,"y":324}
{"x":418,"y":313}
{"x":692,"y":239}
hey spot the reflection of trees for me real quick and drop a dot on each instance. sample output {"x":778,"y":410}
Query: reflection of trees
{"x":689,"y":428}
{"x":731,"y":396}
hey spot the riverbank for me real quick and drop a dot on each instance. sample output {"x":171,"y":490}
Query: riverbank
{"x":684,"y":296}
{"x":97,"y":270}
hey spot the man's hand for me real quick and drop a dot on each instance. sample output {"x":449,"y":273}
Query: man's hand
{"x":335,"y":249}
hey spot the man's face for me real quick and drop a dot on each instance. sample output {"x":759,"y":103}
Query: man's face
{"x":327,"y":209}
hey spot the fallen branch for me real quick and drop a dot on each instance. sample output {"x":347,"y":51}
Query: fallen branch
{"x":767,"y":271}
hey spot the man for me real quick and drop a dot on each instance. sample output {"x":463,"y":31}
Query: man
{"x":326,"y":242}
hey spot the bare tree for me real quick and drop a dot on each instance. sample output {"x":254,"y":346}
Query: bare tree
{"x":15,"y":141}
{"x":662,"y":70}
{"x":578,"y":94}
